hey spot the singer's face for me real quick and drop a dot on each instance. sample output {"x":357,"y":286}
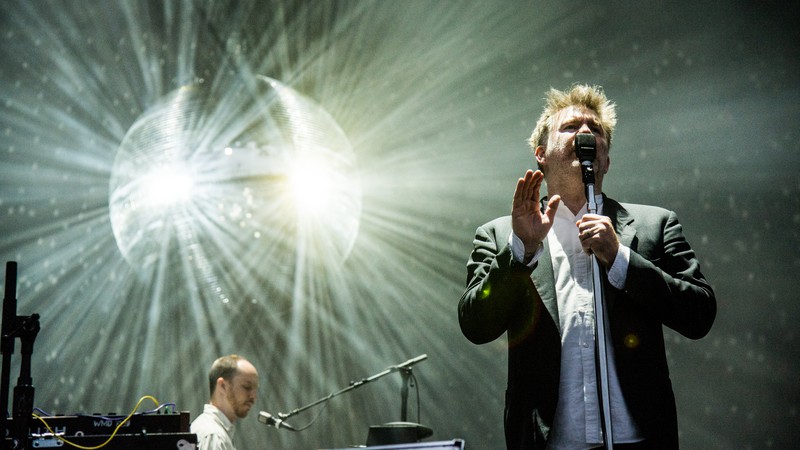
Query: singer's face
{"x":242,"y":389}
{"x":559,"y":158}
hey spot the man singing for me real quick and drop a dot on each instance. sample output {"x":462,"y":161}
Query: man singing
{"x":530,"y":276}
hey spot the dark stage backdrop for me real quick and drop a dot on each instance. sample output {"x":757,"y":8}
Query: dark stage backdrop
{"x":299,"y":182}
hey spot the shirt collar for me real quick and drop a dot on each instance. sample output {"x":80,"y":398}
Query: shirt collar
{"x":565,"y":213}
{"x":219,"y":416}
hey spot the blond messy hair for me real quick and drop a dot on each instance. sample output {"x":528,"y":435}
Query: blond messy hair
{"x":591,"y":97}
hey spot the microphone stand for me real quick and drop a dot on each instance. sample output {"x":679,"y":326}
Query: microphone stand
{"x":585,"y":147}
{"x":404,"y":369}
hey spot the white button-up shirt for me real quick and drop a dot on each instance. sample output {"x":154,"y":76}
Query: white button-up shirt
{"x":577,"y":422}
{"x":213,"y":429}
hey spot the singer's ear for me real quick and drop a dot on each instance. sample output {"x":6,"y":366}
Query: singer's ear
{"x":539,"y":153}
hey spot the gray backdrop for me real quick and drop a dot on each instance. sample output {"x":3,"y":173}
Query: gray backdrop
{"x":436,"y":100}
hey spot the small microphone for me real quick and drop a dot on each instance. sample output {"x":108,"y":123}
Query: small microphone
{"x":585,"y":147}
{"x":268,"y":419}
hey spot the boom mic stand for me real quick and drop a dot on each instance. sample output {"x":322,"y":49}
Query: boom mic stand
{"x":403,"y":431}
{"x":419,"y":431}
{"x":585,"y":147}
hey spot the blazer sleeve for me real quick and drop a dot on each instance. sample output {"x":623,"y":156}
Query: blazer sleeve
{"x":664,"y":278}
{"x":496,"y":284}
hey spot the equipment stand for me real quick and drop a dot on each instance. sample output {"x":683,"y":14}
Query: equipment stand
{"x":405,"y":374}
{"x":26,"y":328}
{"x":402,"y":431}
{"x":585,"y":147}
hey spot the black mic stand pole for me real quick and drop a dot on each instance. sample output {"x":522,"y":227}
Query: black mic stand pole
{"x":405,"y":375}
{"x":585,"y":147}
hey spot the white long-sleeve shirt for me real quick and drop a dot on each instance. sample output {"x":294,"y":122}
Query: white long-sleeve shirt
{"x":214,"y":431}
{"x":577,"y":423}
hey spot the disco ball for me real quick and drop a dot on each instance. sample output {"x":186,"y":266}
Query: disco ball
{"x":219,"y":182}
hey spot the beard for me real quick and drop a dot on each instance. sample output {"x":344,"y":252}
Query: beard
{"x":240,"y":408}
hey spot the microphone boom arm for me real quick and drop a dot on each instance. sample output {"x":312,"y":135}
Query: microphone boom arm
{"x":355,"y":384}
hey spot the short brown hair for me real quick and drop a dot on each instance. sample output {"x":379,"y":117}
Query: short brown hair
{"x":591,"y":97}
{"x":226,"y":367}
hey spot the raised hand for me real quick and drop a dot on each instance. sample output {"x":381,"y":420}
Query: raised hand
{"x":528,"y":221}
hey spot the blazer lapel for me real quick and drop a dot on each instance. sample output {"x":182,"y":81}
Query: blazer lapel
{"x":623,"y":222}
{"x":626,"y":231}
{"x":544,"y":279}
{"x":545,"y":282}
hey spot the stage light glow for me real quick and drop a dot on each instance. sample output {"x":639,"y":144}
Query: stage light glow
{"x":166,"y":187}
{"x":311,"y":186}
{"x":201,"y":165}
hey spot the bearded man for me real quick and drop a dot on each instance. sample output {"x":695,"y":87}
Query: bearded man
{"x":233,"y":383}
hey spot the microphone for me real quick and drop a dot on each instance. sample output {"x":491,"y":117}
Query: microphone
{"x":586,"y":150}
{"x":412,"y":361}
{"x":268,"y":419}
{"x":585,"y":147}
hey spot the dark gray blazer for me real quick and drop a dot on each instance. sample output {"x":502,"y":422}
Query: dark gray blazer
{"x":664,"y":287}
